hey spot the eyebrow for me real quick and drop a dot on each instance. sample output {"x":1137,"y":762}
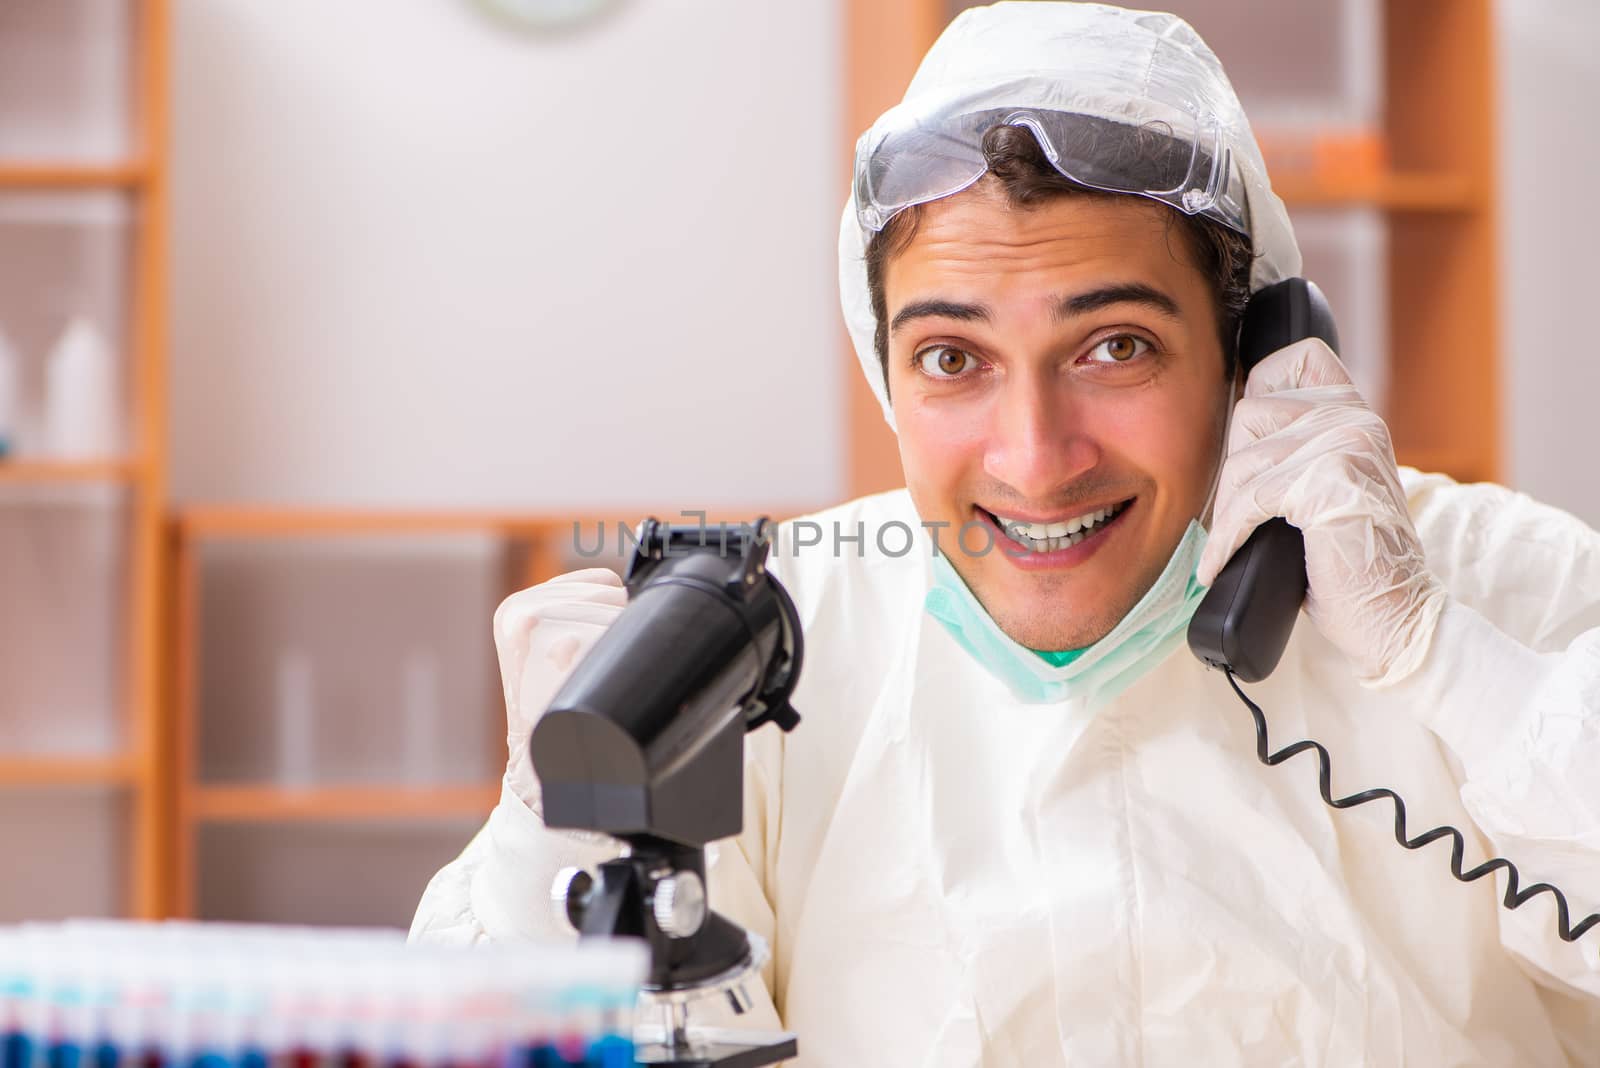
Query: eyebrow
{"x":939,"y":309}
{"x":1067,"y":307}
{"x":1125,"y":293}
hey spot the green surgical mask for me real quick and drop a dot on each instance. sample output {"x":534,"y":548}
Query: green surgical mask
{"x":1150,"y":630}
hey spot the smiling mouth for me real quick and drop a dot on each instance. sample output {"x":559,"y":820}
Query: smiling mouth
{"x":1053,"y":537}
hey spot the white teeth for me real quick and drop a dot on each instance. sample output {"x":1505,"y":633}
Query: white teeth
{"x":1051,"y":537}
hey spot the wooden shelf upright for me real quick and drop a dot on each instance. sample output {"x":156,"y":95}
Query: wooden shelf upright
{"x":1437,"y":197}
{"x":139,"y":769}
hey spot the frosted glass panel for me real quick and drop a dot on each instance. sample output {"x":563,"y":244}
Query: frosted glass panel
{"x":66,"y":853}
{"x":1292,"y":61}
{"x":63,"y":567}
{"x":64,"y":260}
{"x":361,"y":660}
{"x":1346,"y":254}
{"x":365,"y":874}
{"x":65,"y":79}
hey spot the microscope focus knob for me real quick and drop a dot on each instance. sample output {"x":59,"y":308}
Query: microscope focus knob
{"x":569,"y":896}
{"x":679,"y":904}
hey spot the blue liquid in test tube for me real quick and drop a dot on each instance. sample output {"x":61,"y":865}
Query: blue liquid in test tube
{"x":64,"y":1055}
{"x":612,"y":1051}
{"x":16,"y":1050}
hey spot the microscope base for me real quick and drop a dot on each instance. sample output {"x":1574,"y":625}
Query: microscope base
{"x":720,"y":1049}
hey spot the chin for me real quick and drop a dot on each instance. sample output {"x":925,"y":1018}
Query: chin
{"x":1035,"y":633}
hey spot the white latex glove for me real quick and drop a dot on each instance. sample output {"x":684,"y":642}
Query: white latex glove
{"x":539,"y":635}
{"x":1304,"y":445}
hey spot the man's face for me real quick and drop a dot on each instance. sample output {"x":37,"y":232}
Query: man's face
{"x":1048,"y":364}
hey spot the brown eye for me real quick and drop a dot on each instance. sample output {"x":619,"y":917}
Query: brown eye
{"x":1119,"y":349}
{"x":942,"y":361}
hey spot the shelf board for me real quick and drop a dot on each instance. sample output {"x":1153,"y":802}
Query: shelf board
{"x":248,"y":804}
{"x":221,"y":521}
{"x":250,"y":521}
{"x":57,"y":471}
{"x":55,"y":770}
{"x":1453,"y":462}
{"x":1395,"y":192}
{"x":20,"y":175}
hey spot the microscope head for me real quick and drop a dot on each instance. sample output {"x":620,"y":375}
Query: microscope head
{"x":646,"y":737}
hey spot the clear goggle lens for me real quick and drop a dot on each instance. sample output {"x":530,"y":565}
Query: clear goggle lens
{"x":916,"y":159}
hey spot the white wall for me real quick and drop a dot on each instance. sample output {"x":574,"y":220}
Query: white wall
{"x":1550,"y":158}
{"x":420,"y":259}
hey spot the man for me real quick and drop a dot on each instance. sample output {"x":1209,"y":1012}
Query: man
{"x":1021,"y":824}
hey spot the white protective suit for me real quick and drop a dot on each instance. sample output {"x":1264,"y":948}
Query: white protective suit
{"x":949,"y":875}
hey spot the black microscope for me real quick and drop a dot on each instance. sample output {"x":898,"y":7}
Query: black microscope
{"x":645,"y":742}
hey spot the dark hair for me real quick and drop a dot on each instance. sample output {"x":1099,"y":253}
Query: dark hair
{"x":1015,"y":159}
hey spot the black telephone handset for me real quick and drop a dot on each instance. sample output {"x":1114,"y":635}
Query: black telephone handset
{"x":1244,"y":621}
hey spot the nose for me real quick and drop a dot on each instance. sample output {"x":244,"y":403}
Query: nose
{"x":1037,"y":441}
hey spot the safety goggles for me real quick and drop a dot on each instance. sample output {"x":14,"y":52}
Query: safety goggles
{"x":914,"y":155}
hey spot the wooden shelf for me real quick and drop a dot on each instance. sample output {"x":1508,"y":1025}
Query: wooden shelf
{"x":42,"y":176}
{"x":14,"y":472}
{"x":128,"y":191}
{"x":249,"y":804}
{"x":1394,"y":192}
{"x":53,"y":770}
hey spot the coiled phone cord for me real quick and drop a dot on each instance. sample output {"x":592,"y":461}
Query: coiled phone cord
{"x":1513,"y":896}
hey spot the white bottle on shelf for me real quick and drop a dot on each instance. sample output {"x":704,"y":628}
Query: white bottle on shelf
{"x":8,"y":397}
{"x":81,"y":403}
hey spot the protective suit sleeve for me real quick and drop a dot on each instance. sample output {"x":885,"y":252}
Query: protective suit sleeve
{"x":1511,"y":685}
{"x":499,"y":887}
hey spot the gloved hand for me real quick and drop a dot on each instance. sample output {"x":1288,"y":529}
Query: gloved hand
{"x":1304,"y":445}
{"x":539,"y":635}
